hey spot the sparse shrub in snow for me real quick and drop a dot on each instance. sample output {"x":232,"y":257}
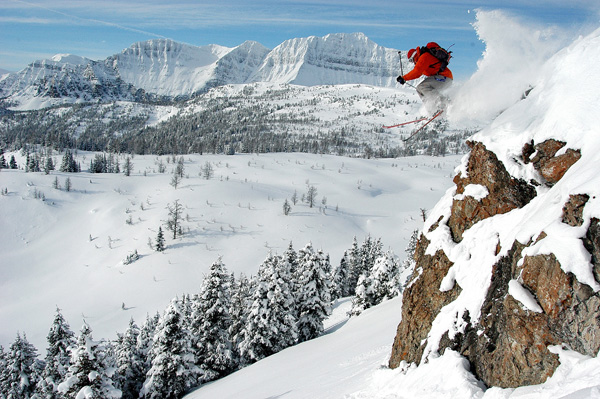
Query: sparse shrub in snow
{"x":132,"y":257}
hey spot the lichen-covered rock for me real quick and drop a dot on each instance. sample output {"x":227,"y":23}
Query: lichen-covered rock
{"x":543,"y":156}
{"x":422,"y":302}
{"x":505,"y":192}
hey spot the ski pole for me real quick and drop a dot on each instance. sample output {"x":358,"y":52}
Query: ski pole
{"x":402,"y":70}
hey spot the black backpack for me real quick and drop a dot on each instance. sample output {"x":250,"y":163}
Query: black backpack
{"x":443,"y":56}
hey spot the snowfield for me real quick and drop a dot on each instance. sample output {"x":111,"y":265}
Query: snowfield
{"x":68,"y":250}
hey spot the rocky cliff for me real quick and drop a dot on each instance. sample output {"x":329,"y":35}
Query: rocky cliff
{"x":509,"y":260}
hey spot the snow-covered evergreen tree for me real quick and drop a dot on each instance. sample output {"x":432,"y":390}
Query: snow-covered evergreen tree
{"x":408,"y":265}
{"x":160,"y":240}
{"x":385,"y":275}
{"x":60,"y":342}
{"x":68,"y":163}
{"x":290,"y":257}
{"x":381,"y":282}
{"x":211,"y":324}
{"x":314,"y":304}
{"x":353,"y":260}
{"x":145,"y":341}
{"x":364,"y":297}
{"x":88,"y":375}
{"x":173,"y":370}
{"x":3,"y":372}
{"x":241,"y":300}
{"x":270,"y":325}
{"x":341,"y":277}
{"x":131,"y":373}
{"x":20,"y":376}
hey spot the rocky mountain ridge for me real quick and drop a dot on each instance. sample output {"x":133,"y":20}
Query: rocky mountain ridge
{"x":162,"y":69}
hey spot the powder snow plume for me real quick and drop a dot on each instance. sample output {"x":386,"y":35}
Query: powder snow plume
{"x":515,"y":51}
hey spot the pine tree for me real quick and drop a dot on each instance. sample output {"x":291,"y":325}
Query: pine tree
{"x":386,"y":278}
{"x":48,"y":165}
{"x":13,"y":163}
{"x":128,"y":167}
{"x":290,"y":257}
{"x":241,"y":300}
{"x":3,"y":372}
{"x":315,"y":296}
{"x":3,"y":164}
{"x":145,"y":340}
{"x":68,"y":163}
{"x":408,"y":265}
{"x":88,"y":375}
{"x":341,"y":277}
{"x":60,"y":341}
{"x":270,"y":326}
{"x":211,"y":323}
{"x":131,"y":371}
{"x":364,"y":296}
{"x":160,"y":240}
{"x":354,"y":265}
{"x":21,"y":374}
{"x":173,"y":371}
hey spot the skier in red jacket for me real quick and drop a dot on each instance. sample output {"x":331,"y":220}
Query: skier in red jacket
{"x":439,"y":77}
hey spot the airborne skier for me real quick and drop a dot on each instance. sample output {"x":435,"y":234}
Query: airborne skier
{"x":431,"y":61}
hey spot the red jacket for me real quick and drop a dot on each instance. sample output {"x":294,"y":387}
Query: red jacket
{"x":426,"y":65}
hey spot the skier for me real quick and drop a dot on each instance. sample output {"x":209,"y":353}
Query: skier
{"x":439,"y":77}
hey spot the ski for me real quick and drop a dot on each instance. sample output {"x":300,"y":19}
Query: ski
{"x":425,"y":124}
{"x":405,"y":123}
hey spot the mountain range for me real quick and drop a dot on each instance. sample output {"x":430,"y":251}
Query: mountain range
{"x":163,"y":69}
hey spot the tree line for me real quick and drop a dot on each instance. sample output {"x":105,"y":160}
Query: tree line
{"x":230,"y":323}
{"x":224,"y":125}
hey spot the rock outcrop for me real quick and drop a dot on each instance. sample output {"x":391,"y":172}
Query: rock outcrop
{"x":508,"y":342}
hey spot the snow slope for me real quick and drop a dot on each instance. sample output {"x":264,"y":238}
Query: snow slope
{"x":67,"y":251}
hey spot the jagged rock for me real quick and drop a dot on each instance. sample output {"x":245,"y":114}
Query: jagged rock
{"x":508,"y":346}
{"x":505,"y":192}
{"x":422,"y":302}
{"x":551,"y":167}
{"x":573,"y":209}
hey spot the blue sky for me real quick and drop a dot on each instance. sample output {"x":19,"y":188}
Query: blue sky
{"x":37,"y":29}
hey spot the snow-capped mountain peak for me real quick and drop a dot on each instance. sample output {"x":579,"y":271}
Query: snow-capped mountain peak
{"x":70,"y":59}
{"x":163,"y":67}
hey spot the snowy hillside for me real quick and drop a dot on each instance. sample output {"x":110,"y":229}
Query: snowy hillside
{"x":163,"y":68}
{"x":74,"y":242}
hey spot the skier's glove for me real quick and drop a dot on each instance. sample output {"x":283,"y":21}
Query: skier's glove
{"x":400,"y":80}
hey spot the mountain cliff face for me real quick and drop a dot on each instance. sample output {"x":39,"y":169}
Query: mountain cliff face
{"x":333,"y":59}
{"x":509,"y":260}
{"x":167,"y":69}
